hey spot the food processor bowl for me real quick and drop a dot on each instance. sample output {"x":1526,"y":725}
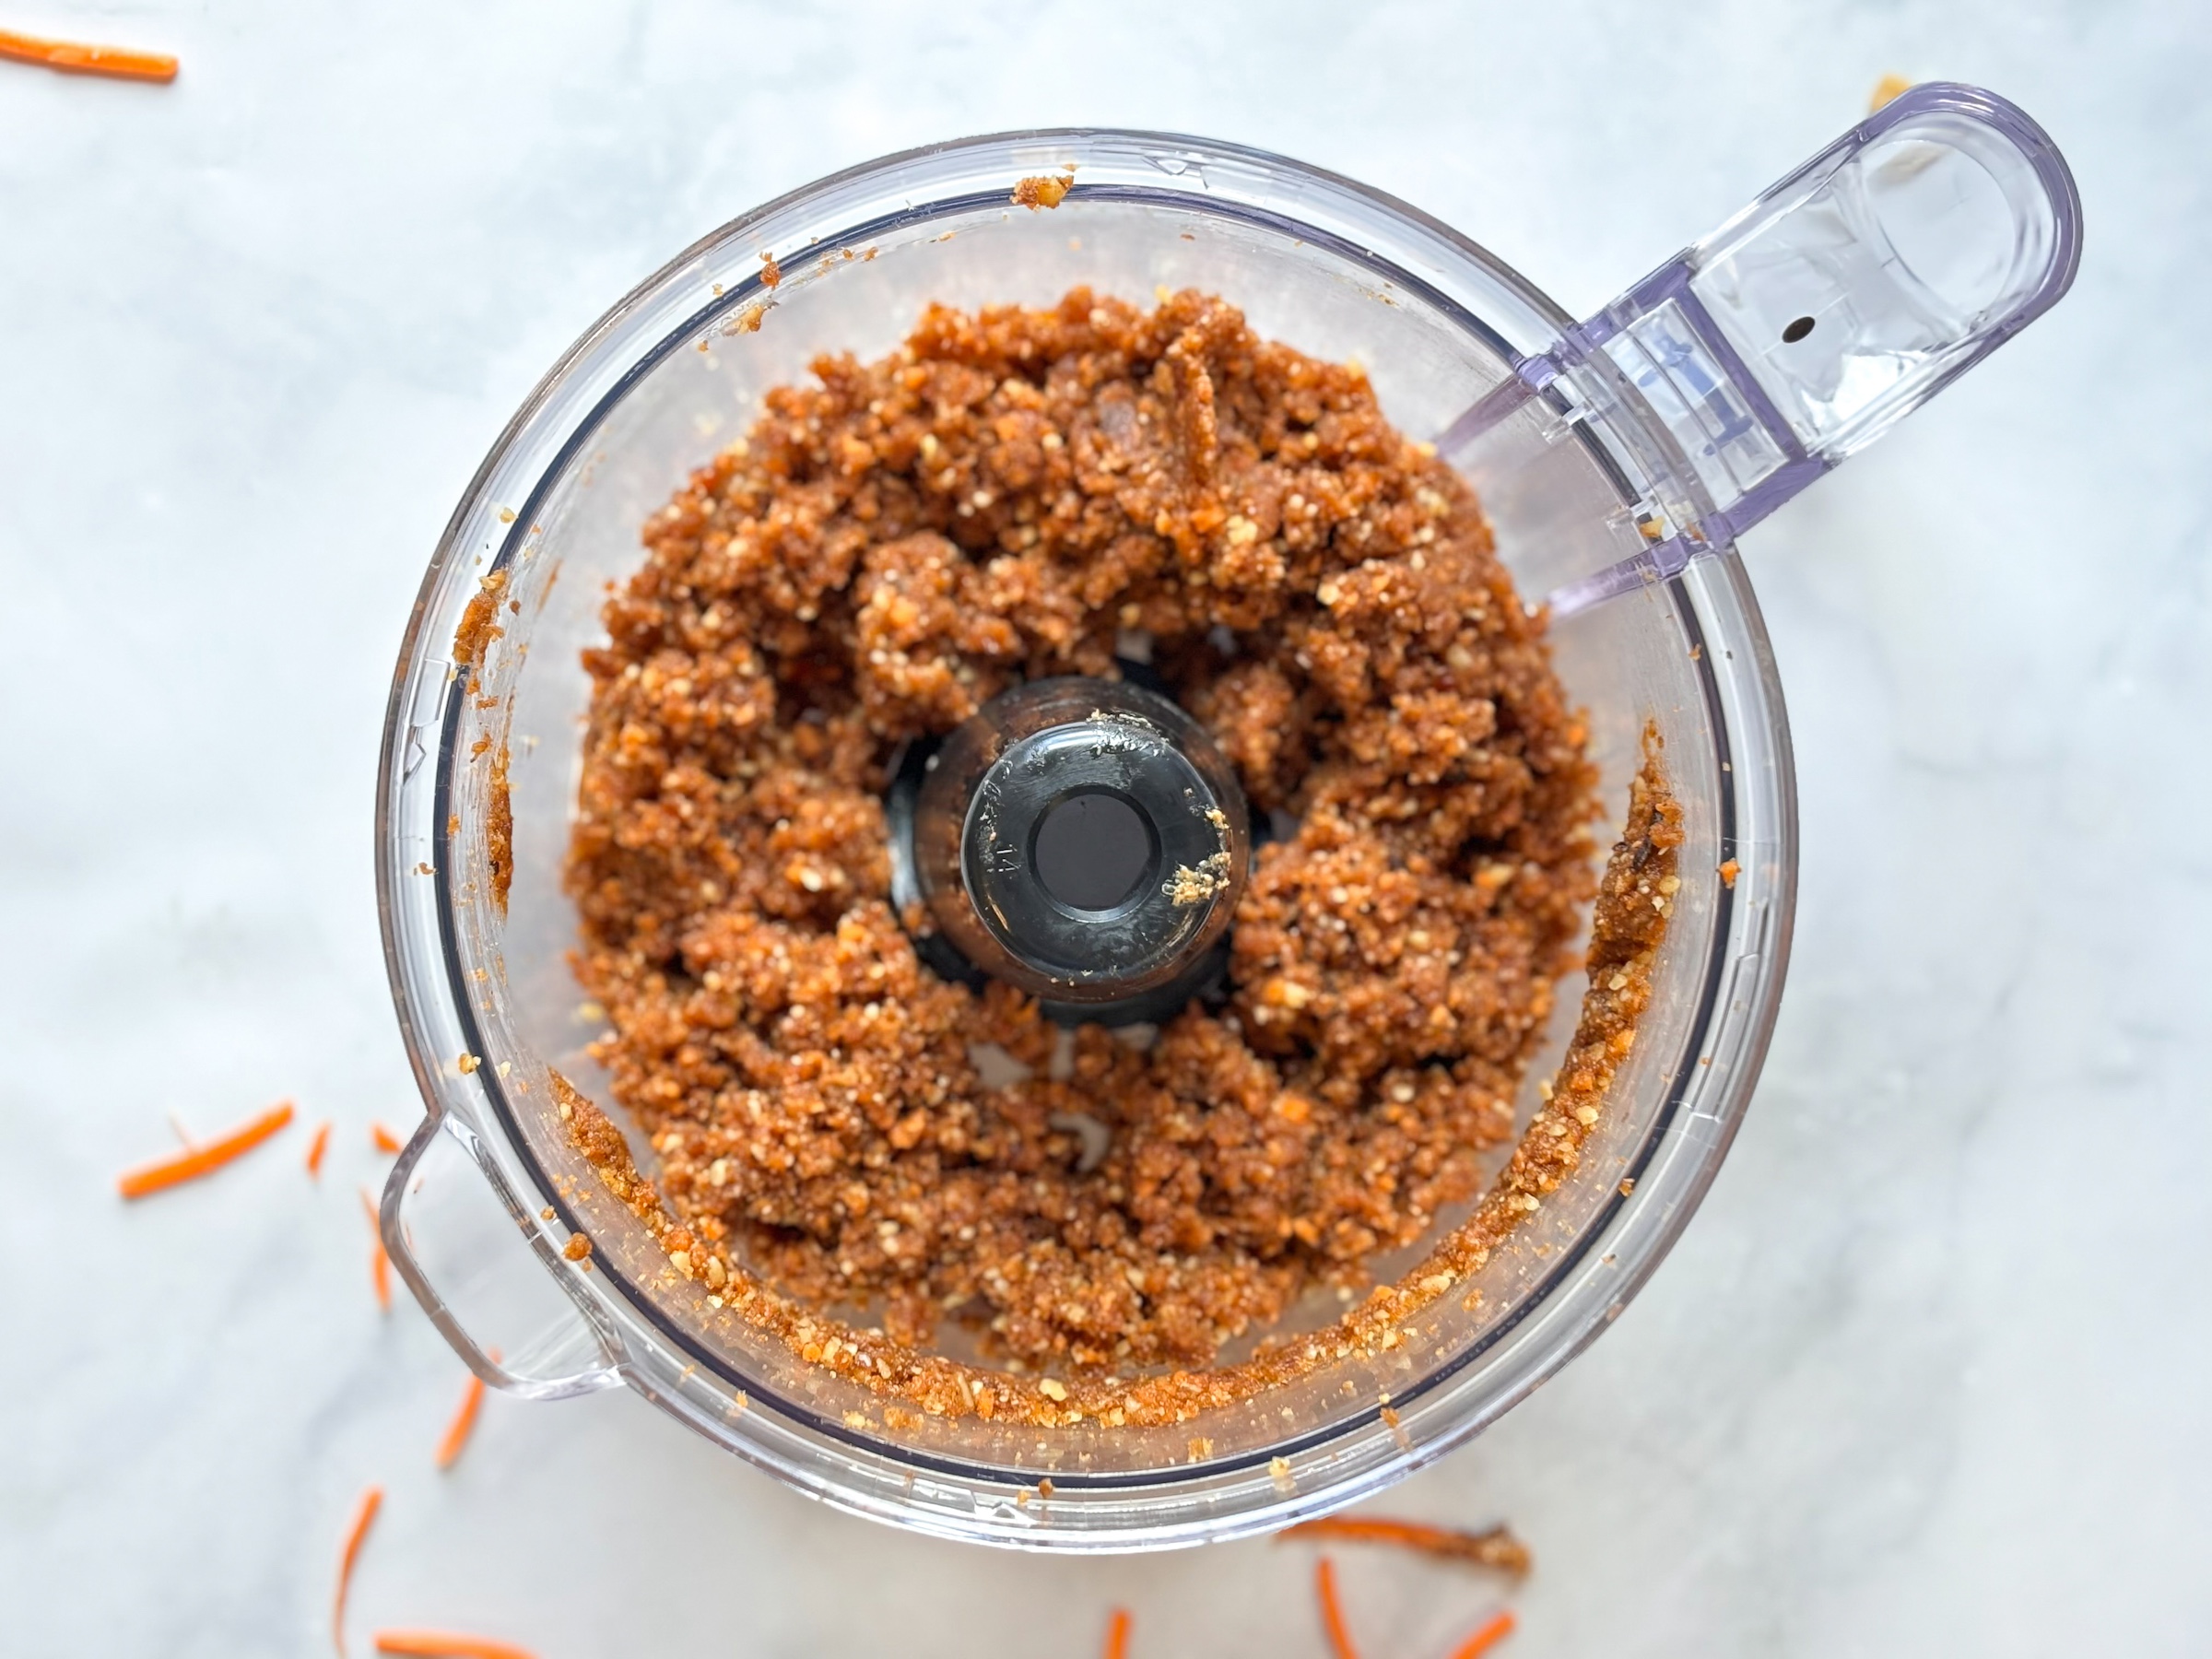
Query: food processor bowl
{"x":1609,"y":490}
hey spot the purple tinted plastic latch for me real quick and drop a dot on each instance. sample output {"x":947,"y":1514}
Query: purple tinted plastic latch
{"x":1828,"y":310}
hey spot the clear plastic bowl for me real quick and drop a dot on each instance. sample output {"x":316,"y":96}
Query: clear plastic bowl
{"x":670,"y":374}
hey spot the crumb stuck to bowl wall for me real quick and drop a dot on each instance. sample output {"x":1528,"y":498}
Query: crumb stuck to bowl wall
{"x":1043,"y":190}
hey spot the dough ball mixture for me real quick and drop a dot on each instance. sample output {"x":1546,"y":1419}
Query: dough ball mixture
{"x":1013,"y":494}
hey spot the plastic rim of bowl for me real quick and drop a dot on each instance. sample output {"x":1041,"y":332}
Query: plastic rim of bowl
{"x":1738,"y":983}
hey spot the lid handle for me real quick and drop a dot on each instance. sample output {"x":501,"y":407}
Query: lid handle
{"x":1839,"y":302}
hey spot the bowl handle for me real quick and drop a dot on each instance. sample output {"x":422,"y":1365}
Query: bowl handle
{"x":433,"y":1207}
{"x":1809,"y":325}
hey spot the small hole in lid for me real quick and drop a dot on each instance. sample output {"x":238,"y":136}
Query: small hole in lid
{"x":1796,"y":330}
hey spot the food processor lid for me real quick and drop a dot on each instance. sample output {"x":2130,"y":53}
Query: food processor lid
{"x":1836,"y":303}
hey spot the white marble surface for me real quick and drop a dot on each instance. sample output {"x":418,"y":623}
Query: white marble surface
{"x":1926,"y":1376}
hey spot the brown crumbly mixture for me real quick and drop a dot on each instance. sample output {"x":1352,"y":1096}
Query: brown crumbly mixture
{"x":886,"y":550}
{"x":499,"y":830}
{"x":471,"y":640}
{"x":1044,"y":190}
{"x":1635,"y":899}
{"x":477,"y":633}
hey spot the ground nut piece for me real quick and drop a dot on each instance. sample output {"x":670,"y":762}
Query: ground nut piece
{"x":1253,"y":709}
{"x":1014,"y":494}
{"x":920,"y":629}
{"x":1043,"y":190}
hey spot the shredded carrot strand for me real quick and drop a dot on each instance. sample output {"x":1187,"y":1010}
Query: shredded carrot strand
{"x":383,"y":1139}
{"x":316,"y":1147}
{"x":75,"y":58}
{"x":1117,"y":1634}
{"x":446,"y":1645}
{"x":1887,"y":91}
{"x":1489,"y":1637}
{"x":380,"y":1261}
{"x":371,"y":1500}
{"x":1496,"y":1547}
{"x":464,"y":1419}
{"x":195,"y":1161}
{"x":1332,"y":1614}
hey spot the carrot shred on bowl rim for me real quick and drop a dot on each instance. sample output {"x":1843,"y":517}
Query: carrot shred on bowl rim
{"x":383,"y":1139}
{"x":1117,"y":1634}
{"x":316,"y":1147}
{"x":78,"y":57}
{"x":371,"y":1500}
{"x":1494,"y":1547}
{"x":447,"y":1644}
{"x":1488,"y":1636}
{"x":1331,"y":1611}
{"x":380,"y":1260}
{"x":203,"y":1159}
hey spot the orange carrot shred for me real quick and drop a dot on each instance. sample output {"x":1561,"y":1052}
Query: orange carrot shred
{"x":1117,"y":1634}
{"x":1489,"y":1637}
{"x":1496,"y":1547}
{"x":379,"y":1262}
{"x":1332,"y":1614}
{"x":447,"y":1644}
{"x":316,"y":1147}
{"x":464,"y":1419}
{"x":383,"y":1139}
{"x":74,"y":57}
{"x":195,"y":1161}
{"x":371,"y":1500}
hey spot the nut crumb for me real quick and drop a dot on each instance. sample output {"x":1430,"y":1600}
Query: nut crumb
{"x":477,"y":633}
{"x":1043,"y":190}
{"x":1194,"y":884}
